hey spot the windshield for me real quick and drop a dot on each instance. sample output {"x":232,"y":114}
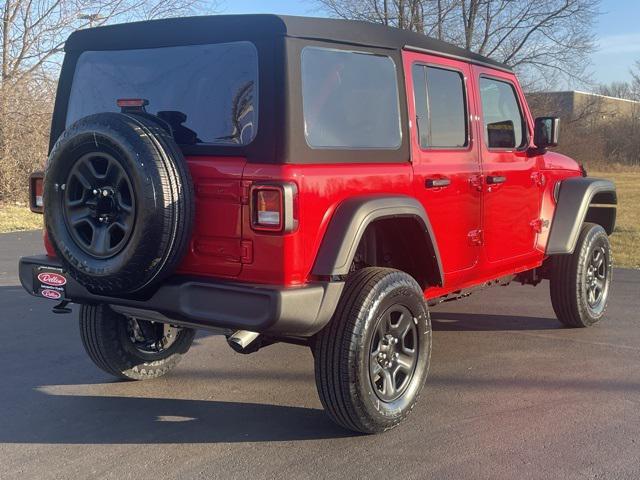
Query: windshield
{"x":208,"y":93}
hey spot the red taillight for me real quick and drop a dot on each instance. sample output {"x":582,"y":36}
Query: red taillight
{"x":267,"y":208}
{"x":36,"y":192}
{"x":273,"y":207}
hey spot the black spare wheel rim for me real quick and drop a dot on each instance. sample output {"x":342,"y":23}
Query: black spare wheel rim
{"x":99,"y":204}
{"x":393,"y":353}
{"x":119,"y":204}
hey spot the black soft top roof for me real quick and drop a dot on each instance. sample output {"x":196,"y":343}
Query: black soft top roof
{"x":224,"y":28}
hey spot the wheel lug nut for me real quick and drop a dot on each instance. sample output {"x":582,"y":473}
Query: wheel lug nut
{"x":95,"y":192}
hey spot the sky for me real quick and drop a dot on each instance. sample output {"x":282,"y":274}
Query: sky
{"x":618,"y":31}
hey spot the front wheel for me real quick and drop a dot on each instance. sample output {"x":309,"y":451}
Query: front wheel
{"x":581,"y":282}
{"x":130,"y":348}
{"x":372,"y":359}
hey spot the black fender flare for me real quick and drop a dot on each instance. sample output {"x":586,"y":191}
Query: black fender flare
{"x":577,"y":201}
{"x":351,"y":219}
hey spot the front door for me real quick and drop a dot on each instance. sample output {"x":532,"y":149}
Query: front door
{"x":445,"y":158}
{"x":512,"y":181}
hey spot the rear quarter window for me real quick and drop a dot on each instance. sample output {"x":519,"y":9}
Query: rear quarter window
{"x":209,"y":93}
{"x":350,"y":100}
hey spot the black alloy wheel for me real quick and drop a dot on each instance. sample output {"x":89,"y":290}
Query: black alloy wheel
{"x":99,"y":205}
{"x":151,"y":338}
{"x":595,"y":280}
{"x":393,"y":353}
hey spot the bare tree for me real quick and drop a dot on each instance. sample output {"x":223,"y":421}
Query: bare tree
{"x":635,"y":80}
{"x":622,"y":90}
{"x":33,"y":31}
{"x":424,"y":16}
{"x":32,"y":36}
{"x":543,"y":39}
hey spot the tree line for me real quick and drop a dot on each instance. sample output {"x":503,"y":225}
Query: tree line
{"x":32,"y":36}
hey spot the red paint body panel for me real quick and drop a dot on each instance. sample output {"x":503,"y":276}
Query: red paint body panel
{"x":288,"y":259}
{"x":215,"y":249}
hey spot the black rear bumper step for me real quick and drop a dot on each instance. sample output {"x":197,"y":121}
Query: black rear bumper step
{"x":205,"y":303}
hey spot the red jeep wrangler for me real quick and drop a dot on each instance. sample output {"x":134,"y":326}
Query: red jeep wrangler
{"x":312,"y":181}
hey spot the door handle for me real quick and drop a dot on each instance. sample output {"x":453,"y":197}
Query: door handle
{"x":437,"y":182}
{"x":495,"y":179}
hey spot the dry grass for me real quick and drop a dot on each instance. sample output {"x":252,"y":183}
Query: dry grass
{"x":626,"y":238}
{"x":15,"y":218}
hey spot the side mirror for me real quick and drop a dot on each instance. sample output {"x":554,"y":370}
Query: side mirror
{"x":546,"y":132}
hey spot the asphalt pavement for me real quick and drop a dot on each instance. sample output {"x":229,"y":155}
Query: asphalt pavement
{"x":510,"y":395}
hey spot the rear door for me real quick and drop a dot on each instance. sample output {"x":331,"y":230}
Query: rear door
{"x":445,"y":158}
{"x":512,"y":181}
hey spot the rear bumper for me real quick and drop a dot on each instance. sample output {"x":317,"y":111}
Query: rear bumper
{"x":203,"y":303}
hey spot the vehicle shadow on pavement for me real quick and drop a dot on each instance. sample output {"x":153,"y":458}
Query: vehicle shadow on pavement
{"x":449,"y":321}
{"x":51,"y":394}
{"x":74,"y":419}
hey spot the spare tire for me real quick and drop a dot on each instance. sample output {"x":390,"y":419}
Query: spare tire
{"x":119,"y":204}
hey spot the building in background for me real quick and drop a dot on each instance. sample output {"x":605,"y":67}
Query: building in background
{"x":575,"y":105}
{"x":598,"y":130}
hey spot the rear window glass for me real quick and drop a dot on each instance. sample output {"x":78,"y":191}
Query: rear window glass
{"x":350,"y":100}
{"x":208,"y":93}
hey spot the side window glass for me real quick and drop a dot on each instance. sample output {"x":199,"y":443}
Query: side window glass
{"x":502,"y":119}
{"x":440,"y":107}
{"x":350,"y":100}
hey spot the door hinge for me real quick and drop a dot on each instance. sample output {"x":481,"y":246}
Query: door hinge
{"x":246,"y":248}
{"x":538,"y":179}
{"x":476,"y":238}
{"x":245,"y":187}
{"x":539,"y":224}
{"x":477,"y":182}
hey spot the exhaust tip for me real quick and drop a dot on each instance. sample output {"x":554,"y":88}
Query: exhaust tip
{"x":244,"y":341}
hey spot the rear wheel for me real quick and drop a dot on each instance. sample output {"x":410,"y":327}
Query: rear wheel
{"x":372,"y":359}
{"x":581,"y":282}
{"x":130,"y":348}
